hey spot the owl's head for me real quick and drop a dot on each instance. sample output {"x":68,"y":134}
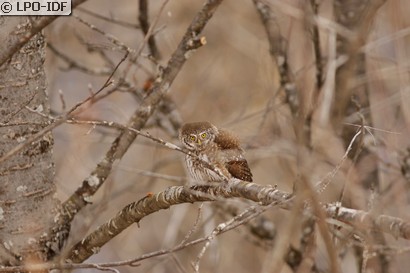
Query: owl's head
{"x":197,"y":135}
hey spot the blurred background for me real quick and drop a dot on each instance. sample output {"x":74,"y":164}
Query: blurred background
{"x":235,"y":82}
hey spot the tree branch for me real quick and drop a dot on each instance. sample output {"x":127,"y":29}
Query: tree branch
{"x":144,"y":23}
{"x":14,"y":38}
{"x":134,"y":212}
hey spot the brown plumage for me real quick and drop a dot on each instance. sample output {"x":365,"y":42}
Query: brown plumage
{"x":217,"y":147}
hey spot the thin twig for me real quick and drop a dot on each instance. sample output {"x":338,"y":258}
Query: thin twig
{"x":107,"y":19}
{"x":74,"y":64}
{"x":58,"y":121}
{"x":194,"y":227}
{"x":322,"y":184}
{"x":316,"y":46}
{"x":144,"y":22}
{"x":109,"y":37}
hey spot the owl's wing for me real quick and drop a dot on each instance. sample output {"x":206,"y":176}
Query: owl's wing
{"x":232,"y":153}
{"x":226,"y":141}
{"x":239,"y":169}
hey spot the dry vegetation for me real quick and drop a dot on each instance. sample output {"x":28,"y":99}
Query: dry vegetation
{"x":317,"y":91}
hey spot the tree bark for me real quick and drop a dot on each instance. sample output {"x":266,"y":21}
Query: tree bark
{"x":27,"y":203}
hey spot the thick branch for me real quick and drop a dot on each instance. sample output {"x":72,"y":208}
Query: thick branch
{"x":135,"y":211}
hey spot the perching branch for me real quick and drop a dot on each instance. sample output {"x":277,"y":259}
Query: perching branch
{"x":135,"y":212}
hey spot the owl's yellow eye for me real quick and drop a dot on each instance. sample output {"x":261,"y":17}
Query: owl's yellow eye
{"x":193,"y":138}
{"x":203,"y":135}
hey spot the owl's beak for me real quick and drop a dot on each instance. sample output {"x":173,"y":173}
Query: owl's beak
{"x":199,"y":141}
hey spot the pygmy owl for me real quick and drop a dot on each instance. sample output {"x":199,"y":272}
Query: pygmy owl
{"x":218,"y":148}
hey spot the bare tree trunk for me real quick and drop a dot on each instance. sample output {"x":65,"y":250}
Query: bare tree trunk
{"x":27,"y":203}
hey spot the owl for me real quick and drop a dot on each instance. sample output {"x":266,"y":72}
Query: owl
{"x":216,"y":147}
